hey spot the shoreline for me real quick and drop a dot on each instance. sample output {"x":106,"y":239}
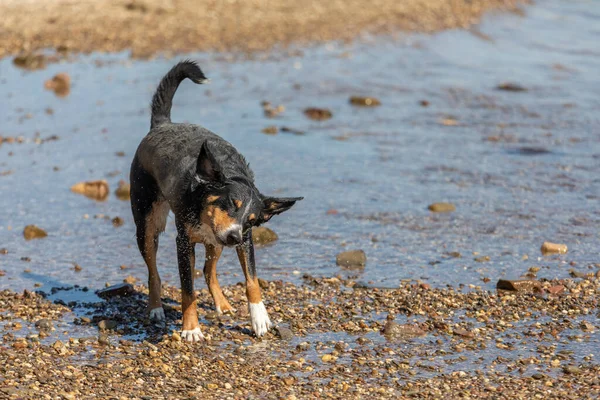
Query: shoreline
{"x":179,"y":26}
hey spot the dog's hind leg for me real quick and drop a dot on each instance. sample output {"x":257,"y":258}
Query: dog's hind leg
{"x":258,"y":313}
{"x":210,"y":275}
{"x":150,"y":216}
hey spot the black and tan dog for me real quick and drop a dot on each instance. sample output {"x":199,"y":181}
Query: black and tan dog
{"x":210,"y":188}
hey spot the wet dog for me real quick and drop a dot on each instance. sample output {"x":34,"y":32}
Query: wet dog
{"x":210,"y":188}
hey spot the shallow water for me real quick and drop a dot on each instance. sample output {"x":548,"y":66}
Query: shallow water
{"x":521,"y":167}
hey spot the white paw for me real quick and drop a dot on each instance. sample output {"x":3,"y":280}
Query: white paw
{"x":194,"y":335}
{"x":157,"y":314}
{"x":260,"y":319}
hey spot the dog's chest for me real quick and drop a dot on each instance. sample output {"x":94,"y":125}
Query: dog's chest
{"x":202,"y":234}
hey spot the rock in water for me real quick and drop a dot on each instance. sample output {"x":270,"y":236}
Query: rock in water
{"x":33,"y":232}
{"x":442,"y":207}
{"x":364,"y":101}
{"x":123,"y":191}
{"x":284,"y":333}
{"x":553,"y":248}
{"x":122,"y":289}
{"x":106,"y":324}
{"x":351,"y":259}
{"x":60,"y":84}
{"x":318,"y":114}
{"x":97,"y":190}
{"x":526,"y":285}
{"x":262,"y":235}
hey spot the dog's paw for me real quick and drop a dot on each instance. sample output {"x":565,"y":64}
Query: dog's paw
{"x":226,"y":310}
{"x":157,"y":314}
{"x":193,"y":335}
{"x":260,"y":318}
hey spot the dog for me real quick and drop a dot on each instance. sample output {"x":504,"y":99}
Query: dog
{"x":209,"y":187}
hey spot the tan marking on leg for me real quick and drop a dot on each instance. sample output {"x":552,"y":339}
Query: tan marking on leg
{"x":251,"y":217}
{"x":210,"y":275}
{"x":190,"y":315}
{"x":252,"y":286}
{"x":238,"y":204}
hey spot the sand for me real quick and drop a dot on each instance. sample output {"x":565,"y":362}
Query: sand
{"x":150,"y":27}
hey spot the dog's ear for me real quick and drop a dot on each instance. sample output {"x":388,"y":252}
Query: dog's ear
{"x":277,"y":205}
{"x":207,"y":167}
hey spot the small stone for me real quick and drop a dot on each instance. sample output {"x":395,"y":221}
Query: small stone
{"x":33,"y":232}
{"x":402,"y":331}
{"x":586,"y":326}
{"x":77,"y":268}
{"x":103,"y":340}
{"x":327,"y":358}
{"x":270,"y":130}
{"x":553,"y":248}
{"x":441,"y":207}
{"x":97,"y":190}
{"x":176,"y":336}
{"x":60,"y":84}
{"x":351,"y":259}
{"x":107,"y":324}
{"x":284,"y":333}
{"x":212,"y":386}
{"x":318,"y":114}
{"x":511,"y":87}
{"x":555,"y":289}
{"x":44,"y":324}
{"x":303,"y":346}
{"x":462,"y":332}
{"x":121,"y":289}
{"x":130,"y":279}
{"x":525,"y":285}
{"x":262,"y":235}
{"x":571,"y":369}
{"x":482,"y":259}
{"x":123,"y":191}
{"x":117,"y":221}
{"x":364,"y":101}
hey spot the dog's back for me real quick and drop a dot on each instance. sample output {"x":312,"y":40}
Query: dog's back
{"x":170,"y":150}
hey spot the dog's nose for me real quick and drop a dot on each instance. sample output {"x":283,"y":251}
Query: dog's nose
{"x":234,"y":237}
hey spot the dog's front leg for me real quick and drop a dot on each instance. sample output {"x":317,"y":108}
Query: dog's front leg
{"x":186,"y":260}
{"x":258,"y":313}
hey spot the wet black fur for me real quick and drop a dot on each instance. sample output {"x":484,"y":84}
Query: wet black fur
{"x":181,"y":165}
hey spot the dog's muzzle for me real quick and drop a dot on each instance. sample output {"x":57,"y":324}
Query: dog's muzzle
{"x":232,"y":236}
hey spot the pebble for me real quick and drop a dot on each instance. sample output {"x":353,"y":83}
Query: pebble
{"x":318,"y":114}
{"x":60,"y":84}
{"x":364,"y":101}
{"x":121,"y":289}
{"x":107,"y":324}
{"x":525,"y":285}
{"x":553,"y":248}
{"x":351,"y":259}
{"x":33,"y":232}
{"x":442,"y":207}
{"x":284,"y":333}
{"x":97,"y":190}
{"x":123,"y":191}
{"x":262,"y":235}
{"x":44,"y":324}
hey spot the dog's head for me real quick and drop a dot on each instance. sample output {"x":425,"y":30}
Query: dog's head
{"x":231,"y":206}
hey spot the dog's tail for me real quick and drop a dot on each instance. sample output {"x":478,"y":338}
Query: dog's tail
{"x":163,"y":98}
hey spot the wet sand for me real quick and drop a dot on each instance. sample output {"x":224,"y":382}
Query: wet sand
{"x":148,"y":27}
{"x":337,"y":339}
